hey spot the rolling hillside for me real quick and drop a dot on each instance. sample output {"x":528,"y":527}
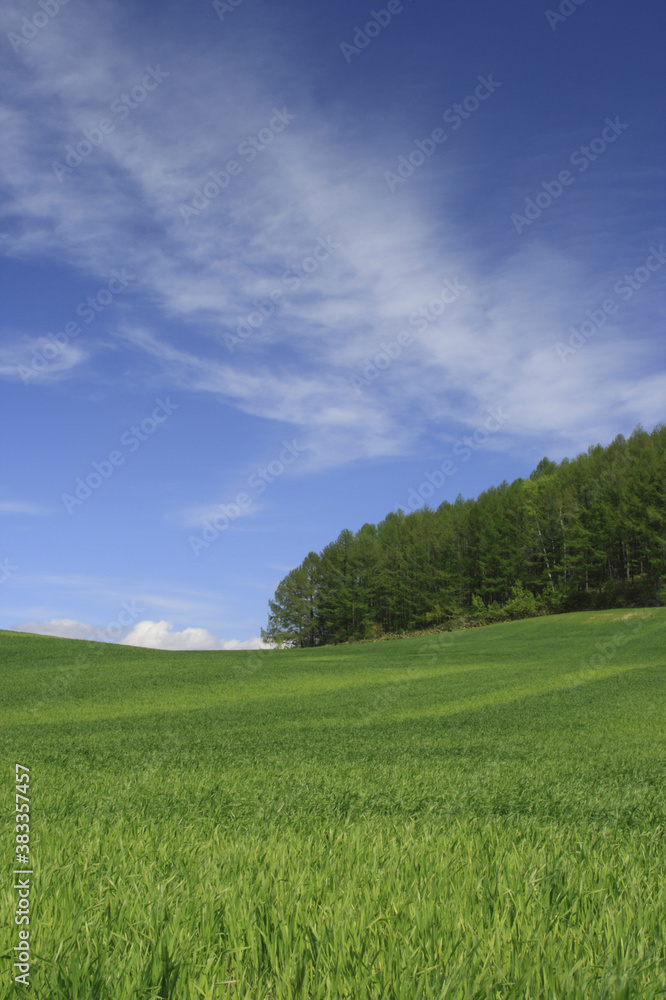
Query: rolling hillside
{"x":471,"y":815}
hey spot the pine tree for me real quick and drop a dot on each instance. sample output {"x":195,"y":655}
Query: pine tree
{"x":293,"y":619}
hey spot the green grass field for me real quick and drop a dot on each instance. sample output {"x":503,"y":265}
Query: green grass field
{"x":472,"y":815}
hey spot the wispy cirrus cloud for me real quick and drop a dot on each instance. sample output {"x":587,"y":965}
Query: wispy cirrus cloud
{"x":111,"y":592}
{"x":197,"y":516}
{"x":24,"y":507}
{"x":316,"y":180}
{"x":32,"y":360}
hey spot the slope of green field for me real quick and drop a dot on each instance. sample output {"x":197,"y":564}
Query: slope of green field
{"x":479,"y":814}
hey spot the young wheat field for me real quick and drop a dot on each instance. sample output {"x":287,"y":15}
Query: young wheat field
{"x":479,"y":814}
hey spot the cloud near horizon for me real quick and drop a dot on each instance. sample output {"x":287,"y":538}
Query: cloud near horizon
{"x":147,"y":634}
{"x":62,"y":628}
{"x":161,"y":635}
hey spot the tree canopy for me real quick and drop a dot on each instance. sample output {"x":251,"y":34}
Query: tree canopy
{"x":587,"y":533}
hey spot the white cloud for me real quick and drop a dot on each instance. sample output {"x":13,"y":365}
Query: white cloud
{"x":65,"y":628}
{"x":161,"y":635}
{"x":33,"y":360}
{"x":147,"y":634}
{"x":197,"y":516}
{"x":22,"y":507}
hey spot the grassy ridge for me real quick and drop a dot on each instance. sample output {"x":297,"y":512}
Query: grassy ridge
{"x":473,"y":815}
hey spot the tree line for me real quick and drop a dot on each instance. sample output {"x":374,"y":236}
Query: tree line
{"x":586,"y":533}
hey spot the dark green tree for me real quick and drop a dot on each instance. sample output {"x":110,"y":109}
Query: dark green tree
{"x":589,"y":532}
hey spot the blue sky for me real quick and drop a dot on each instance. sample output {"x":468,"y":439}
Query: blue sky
{"x":265,"y":267}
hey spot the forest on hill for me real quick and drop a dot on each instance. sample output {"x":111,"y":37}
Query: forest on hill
{"x":587,"y":533}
